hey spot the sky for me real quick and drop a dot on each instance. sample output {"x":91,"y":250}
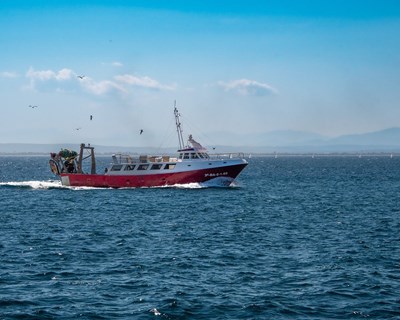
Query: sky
{"x":233,"y":67}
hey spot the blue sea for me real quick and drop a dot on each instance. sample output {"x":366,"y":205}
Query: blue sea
{"x":297,"y":237}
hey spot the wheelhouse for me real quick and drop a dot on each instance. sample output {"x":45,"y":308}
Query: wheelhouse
{"x":142,"y":167}
{"x":193,"y":154}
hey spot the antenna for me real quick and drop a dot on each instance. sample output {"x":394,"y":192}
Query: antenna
{"x":178,"y":126}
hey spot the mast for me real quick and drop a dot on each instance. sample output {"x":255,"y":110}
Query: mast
{"x":178,"y":127}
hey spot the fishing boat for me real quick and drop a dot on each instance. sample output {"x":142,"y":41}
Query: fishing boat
{"x":191,"y":164}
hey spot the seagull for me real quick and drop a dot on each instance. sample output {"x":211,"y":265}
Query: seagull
{"x":81,"y":77}
{"x":78,"y":128}
{"x":33,"y":107}
{"x":91,"y":117}
{"x":141,"y":131}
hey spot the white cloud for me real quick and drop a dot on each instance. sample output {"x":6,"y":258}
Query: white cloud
{"x":64,"y":74}
{"x":145,"y":82}
{"x":101,"y":87}
{"x":248,"y":87}
{"x":121,"y":84}
{"x":48,"y":79}
{"x":116,"y":64}
{"x":8,"y":74}
{"x":43,"y":75}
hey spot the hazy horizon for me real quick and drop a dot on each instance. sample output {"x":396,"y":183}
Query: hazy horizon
{"x":386,"y":141}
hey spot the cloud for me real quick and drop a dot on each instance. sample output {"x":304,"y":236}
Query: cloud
{"x":8,"y":74}
{"x":51,"y":77}
{"x":248,"y":87}
{"x":121,"y":84}
{"x":145,"y":82}
{"x":49,"y":80}
{"x":43,"y":75}
{"x":101,"y":87}
{"x":113,"y":64}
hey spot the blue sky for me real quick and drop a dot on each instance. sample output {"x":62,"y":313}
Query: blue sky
{"x":249,"y":67}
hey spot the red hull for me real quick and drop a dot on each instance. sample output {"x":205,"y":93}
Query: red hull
{"x":227,"y":174}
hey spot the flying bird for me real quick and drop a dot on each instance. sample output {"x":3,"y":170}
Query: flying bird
{"x":141,"y":131}
{"x":78,"y":128}
{"x":91,"y":117}
{"x":81,"y":77}
{"x":33,"y":107}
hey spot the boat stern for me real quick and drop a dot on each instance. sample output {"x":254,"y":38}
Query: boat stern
{"x":65,"y":180}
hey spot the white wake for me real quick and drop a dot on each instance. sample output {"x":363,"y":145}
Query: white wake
{"x":34,"y":184}
{"x":56,"y":184}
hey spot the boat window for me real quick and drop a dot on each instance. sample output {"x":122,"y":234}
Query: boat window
{"x":194,"y":155}
{"x":186,"y":156}
{"x":116,"y":167}
{"x":181,"y":156}
{"x":129,"y":167}
{"x":169,"y":166}
{"x":201,"y":155}
{"x":143,"y":166}
{"x":156,"y":166}
{"x":143,"y":158}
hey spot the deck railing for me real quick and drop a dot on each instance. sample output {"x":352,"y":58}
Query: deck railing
{"x":228,"y":155}
{"x":125,"y":158}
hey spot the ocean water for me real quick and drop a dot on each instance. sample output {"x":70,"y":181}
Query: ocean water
{"x":296,"y":238}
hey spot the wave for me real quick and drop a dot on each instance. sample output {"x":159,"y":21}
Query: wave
{"x":220,"y":182}
{"x":53,"y":184}
{"x":193,"y":185}
{"x":56,"y":184}
{"x":49,"y":184}
{"x":213,"y":183}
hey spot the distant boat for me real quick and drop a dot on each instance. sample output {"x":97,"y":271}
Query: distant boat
{"x":193,"y":164}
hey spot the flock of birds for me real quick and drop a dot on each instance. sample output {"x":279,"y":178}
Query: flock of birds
{"x":91,"y":116}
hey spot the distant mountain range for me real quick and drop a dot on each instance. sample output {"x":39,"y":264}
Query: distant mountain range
{"x":387,"y":140}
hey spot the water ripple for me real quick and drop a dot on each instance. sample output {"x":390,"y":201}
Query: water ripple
{"x":297,"y":238}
